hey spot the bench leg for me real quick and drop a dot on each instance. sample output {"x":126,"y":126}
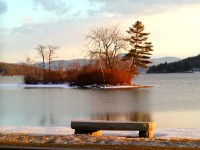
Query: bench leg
{"x":146,"y":134}
{"x":88,"y":132}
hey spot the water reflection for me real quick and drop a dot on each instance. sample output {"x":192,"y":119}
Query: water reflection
{"x":51,"y":106}
{"x":47,"y":120}
{"x":134,"y":116}
{"x":171,"y":99}
{"x":57,"y":107}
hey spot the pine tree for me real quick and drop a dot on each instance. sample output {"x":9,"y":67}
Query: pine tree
{"x":140,"y":49}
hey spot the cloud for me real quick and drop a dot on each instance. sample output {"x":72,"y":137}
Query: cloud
{"x":2,"y":40}
{"x":67,"y":35}
{"x":57,"y":6}
{"x":129,"y":7}
{"x":3,"y":6}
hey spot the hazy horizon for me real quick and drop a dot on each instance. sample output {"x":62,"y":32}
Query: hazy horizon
{"x":60,"y":59}
{"x":173,"y":25}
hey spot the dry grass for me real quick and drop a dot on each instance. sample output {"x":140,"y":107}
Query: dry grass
{"x":87,"y":75}
{"x":104,"y":76}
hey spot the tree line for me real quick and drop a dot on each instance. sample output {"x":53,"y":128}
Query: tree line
{"x":7,"y":69}
{"x":189,"y":64}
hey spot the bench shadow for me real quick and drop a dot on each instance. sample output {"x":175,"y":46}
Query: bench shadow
{"x":160,"y":135}
{"x":123,"y":134}
{"x":129,"y":136}
{"x":156,"y":135}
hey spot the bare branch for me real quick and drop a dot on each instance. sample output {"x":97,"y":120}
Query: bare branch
{"x":105,"y":42}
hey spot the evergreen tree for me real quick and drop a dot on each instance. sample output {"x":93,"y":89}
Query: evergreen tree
{"x":140,"y":49}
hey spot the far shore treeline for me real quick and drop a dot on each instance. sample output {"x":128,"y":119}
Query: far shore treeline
{"x":190,"y":64}
{"x":106,"y":66}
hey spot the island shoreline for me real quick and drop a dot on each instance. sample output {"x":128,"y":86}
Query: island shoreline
{"x":67,"y":86}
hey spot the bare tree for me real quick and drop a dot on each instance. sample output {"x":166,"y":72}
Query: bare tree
{"x":41,"y":53}
{"x":105,"y":43}
{"x":29,"y":61}
{"x":50,"y":54}
{"x":60,"y":66}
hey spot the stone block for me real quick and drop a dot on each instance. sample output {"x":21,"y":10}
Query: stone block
{"x":92,"y":127}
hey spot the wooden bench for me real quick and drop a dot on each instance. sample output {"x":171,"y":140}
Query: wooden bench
{"x":93,"y":127}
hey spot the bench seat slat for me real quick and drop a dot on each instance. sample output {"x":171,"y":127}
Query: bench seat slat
{"x":112,"y":125}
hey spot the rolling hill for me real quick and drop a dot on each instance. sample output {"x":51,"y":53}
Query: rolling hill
{"x":20,"y":69}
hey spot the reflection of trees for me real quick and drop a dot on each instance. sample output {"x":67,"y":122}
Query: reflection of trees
{"x":47,"y":116}
{"x":138,"y":116}
{"x":134,"y":116}
{"x":47,"y":120}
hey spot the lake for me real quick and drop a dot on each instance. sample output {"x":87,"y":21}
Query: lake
{"x":173,"y":102}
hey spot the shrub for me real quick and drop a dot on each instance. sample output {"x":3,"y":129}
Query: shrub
{"x":29,"y":79}
{"x":89,"y":77}
{"x":71,"y":75}
{"x":105,"y":76}
{"x":118,"y":77}
{"x":54,"y":77}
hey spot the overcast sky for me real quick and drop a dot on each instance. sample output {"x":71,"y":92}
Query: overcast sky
{"x":174,"y":25}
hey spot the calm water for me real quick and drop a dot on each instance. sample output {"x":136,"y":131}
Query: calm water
{"x":174,"y":101}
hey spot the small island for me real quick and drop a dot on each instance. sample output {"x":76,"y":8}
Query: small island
{"x":107,"y":66}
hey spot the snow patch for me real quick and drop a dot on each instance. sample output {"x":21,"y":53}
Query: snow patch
{"x":161,"y":133}
{"x":120,"y":87}
{"x":22,"y":85}
{"x":66,"y":85}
